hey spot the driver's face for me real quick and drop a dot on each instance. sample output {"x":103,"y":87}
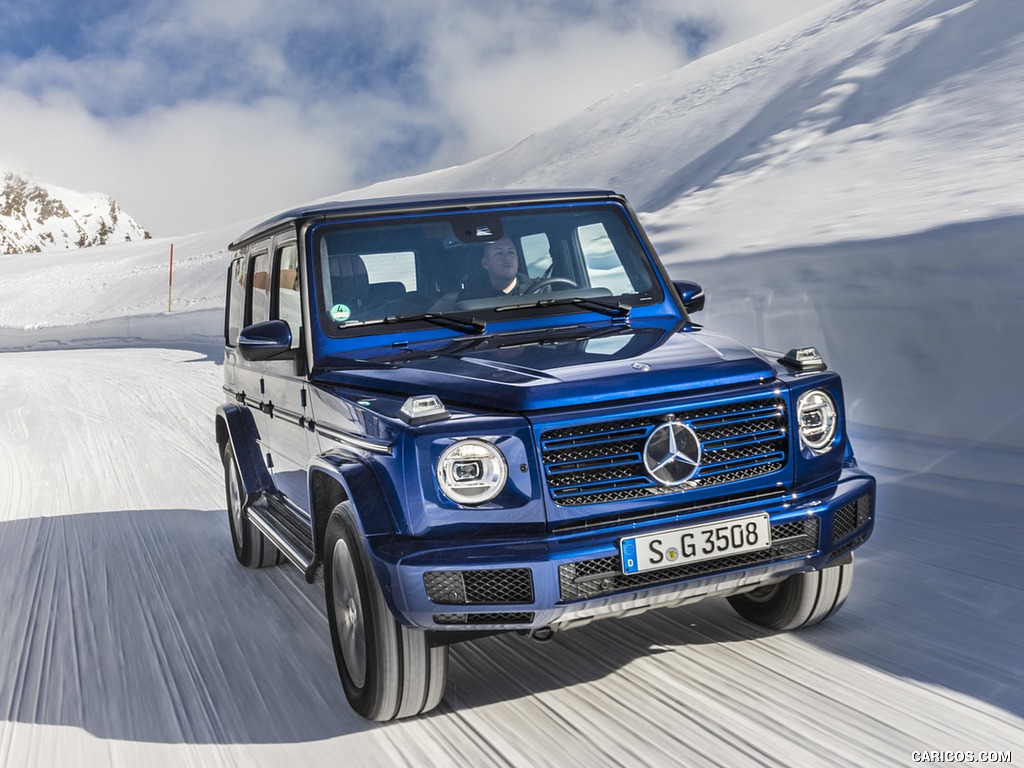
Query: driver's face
{"x":501,"y":260}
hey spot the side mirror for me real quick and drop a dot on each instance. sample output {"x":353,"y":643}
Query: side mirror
{"x":692,"y":295}
{"x":263,"y":341}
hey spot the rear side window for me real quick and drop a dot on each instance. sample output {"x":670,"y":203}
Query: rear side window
{"x":235,"y":315}
{"x":289,"y":294}
{"x":259,"y":272}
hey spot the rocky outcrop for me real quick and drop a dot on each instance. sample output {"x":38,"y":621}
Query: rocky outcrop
{"x":35,"y":217}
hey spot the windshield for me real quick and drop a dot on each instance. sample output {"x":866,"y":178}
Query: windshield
{"x":488,"y":265}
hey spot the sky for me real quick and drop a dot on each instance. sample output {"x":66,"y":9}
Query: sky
{"x":194,"y":114}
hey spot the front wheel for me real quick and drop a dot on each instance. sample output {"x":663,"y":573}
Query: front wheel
{"x":800,"y":601}
{"x":387,"y":670}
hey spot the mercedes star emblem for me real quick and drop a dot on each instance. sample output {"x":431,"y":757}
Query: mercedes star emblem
{"x":672,"y":453}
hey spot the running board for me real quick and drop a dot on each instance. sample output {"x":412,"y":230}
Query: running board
{"x":290,"y":534}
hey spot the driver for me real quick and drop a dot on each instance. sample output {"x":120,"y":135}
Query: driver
{"x":501,"y":265}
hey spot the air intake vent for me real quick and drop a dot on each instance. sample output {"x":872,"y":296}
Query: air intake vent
{"x":483,"y":618}
{"x":851,"y":516}
{"x":504,"y":586}
{"x":604,"y":576}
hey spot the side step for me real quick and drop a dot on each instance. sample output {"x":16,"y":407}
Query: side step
{"x":289,"y":532}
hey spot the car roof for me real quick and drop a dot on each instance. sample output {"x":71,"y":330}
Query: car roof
{"x":433,"y":201}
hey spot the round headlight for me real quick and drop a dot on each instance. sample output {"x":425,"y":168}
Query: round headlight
{"x":471,"y":471}
{"x":817,"y":419}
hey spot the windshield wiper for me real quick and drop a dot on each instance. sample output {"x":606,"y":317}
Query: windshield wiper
{"x":445,"y":321}
{"x":610,"y":308}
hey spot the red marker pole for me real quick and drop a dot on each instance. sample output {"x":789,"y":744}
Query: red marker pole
{"x":170,"y":278}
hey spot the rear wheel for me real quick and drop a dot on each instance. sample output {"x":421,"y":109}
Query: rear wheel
{"x":387,"y":670}
{"x":800,"y":601}
{"x":252,"y":548}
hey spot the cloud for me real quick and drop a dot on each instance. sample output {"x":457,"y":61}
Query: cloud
{"x":502,"y":76}
{"x":196,"y":165}
{"x":195,"y":114}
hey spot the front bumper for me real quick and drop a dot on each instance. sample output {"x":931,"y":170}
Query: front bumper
{"x":559,"y":581}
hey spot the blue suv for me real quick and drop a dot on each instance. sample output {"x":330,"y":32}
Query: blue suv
{"x":491,"y":412}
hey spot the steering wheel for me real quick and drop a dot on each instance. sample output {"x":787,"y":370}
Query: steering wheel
{"x":548,"y":282}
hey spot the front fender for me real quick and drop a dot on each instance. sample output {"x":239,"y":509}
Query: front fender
{"x":333,"y":479}
{"x":235,"y":423}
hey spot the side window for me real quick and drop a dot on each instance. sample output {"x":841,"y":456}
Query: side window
{"x":536,"y":254}
{"x":236,"y":301}
{"x":604,"y":266}
{"x":288,"y":302}
{"x":399,"y":267}
{"x":259,"y":274}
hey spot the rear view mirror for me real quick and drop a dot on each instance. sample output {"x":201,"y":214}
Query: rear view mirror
{"x":263,"y":341}
{"x":692,"y":295}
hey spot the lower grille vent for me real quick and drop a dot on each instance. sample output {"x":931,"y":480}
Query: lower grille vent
{"x":604,"y":576}
{"x":524,"y":617}
{"x":503,"y":586}
{"x":848,"y":546}
{"x":851,"y":516}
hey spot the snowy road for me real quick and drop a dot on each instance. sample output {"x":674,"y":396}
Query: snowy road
{"x":129,"y":636}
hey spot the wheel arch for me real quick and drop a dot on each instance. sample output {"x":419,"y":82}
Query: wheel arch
{"x":334,"y":479}
{"x":235,"y":424}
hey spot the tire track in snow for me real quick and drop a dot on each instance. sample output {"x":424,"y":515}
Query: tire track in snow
{"x":130,"y":636}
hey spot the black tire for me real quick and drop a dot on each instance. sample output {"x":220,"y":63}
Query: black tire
{"x":252,"y":548}
{"x":800,"y":601}
{"x":387,"y":670}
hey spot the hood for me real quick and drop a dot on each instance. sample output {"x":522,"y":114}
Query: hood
{"x":520,"y":373}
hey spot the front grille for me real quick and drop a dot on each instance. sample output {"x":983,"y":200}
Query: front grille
{"x":523,"y":617}
{"x":504,"y":586}
{"x":595,"y":463}
{"x":604,"y":576}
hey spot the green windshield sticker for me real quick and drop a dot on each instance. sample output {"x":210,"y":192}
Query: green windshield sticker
{"x":340,"y":313}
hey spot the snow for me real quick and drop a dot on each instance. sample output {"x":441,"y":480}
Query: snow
{"x":850,"y":180}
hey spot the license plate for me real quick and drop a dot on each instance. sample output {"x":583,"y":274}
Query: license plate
{"x":694,"y":543}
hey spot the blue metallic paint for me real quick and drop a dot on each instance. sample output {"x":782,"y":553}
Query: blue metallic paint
{"x":235,"y":424}
{"x":526,"y":374}
{"x":549,"y":376}
{"x":404,"y":562}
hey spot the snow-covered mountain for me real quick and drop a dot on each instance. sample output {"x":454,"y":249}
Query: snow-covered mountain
{"x":35,"y":216}
{"x":860,"y":119}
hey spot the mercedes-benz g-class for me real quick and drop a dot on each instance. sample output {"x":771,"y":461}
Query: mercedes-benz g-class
{"x":492,"y":412}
